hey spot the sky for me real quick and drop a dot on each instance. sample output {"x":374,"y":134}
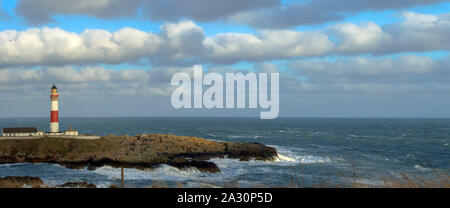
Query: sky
{"x":347,"y":58}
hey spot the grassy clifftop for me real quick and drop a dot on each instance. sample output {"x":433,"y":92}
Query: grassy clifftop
{"x":144,"y":151}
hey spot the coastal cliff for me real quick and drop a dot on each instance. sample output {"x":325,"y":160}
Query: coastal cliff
{"x":142,"y":152}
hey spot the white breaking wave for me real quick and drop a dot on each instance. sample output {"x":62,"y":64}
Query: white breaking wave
{"x":191,"y":177}
{"x":244,"y":136}
{"x":289,"y":156}
{"x":163,"y":172}
{"x":418,"y":167}
{"x":285,"y":158}
{"x":302,"y":159}
{"x":310,"y":159}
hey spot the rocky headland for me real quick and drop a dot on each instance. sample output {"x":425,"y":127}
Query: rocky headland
{"x":141,"y":152}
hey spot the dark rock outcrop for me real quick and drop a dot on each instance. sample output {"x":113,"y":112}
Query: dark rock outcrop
{"x":77,"y":185}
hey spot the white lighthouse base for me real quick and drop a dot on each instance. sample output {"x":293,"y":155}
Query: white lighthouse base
{"x":54,"y":127}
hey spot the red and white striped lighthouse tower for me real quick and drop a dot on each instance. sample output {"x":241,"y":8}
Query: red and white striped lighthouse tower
{"x":54,"y":125}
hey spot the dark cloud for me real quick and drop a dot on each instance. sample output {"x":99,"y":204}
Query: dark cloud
{"x":318,"y":11}
{"x":38,"y":12}
{"x":201,"y":10}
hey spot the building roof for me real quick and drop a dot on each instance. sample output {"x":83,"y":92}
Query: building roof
{"x":20,"y":130}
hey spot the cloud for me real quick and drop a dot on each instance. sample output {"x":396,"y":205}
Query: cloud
{"x":267,"y":45}
{"x":53,"y":46}
{"x":182,"y":42}
{"x":356,"y":39}
{"x":317,"y":12}
{"x":419,"y":20}
{"x":417,"y":33}
{"x":185,"y":43}
{"x":353,"y":86}
{"x":86,"y":91}
{"x":407,"y":86}
{"x":408,"y":73}
{"x":88,"y":80}
{"x":38,"y":12}
{"x":432,"y":34}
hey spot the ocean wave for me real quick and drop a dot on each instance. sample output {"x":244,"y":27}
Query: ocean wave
{"x":236,"y":136}
{"x":190,"y":177}
{"x":104,"y":185}
{"x":162,"y":172}
{"x":371,"y":182}
{"x":195,"y":184}
{"x":289,"y":156}
{"x":418,"y":167}
{"x":285,"y":158}
{"x":10,"y":165}
{"x":311,"y":159}
{"x":232,"y":170}
{"x":245,"y":136}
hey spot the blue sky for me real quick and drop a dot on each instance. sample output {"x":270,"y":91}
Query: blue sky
{"x":356,"y":57}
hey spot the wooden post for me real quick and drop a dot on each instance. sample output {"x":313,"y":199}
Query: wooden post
{"x":123,"y":177}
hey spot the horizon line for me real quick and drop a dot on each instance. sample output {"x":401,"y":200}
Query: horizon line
{"x":250,"y":117}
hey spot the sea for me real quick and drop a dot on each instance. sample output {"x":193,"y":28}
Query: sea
{"x":311,"y":151}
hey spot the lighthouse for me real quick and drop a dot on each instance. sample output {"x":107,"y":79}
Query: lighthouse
{"x":54,"y":124}
{"x":54,"y":117}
